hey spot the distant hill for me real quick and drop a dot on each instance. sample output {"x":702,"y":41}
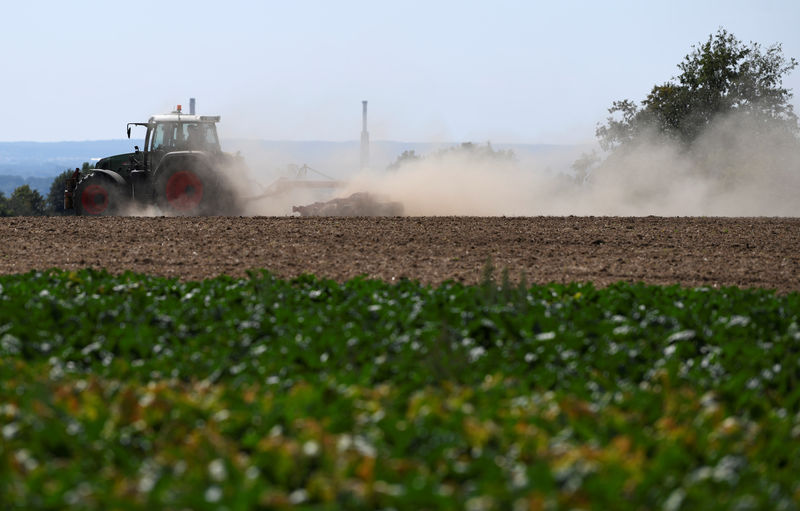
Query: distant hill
{"x":9,"y":183}
{"x":47,"y":159}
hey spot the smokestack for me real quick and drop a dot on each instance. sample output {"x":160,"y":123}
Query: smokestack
{"x":364,"y":138}
{"x":191,"y":106}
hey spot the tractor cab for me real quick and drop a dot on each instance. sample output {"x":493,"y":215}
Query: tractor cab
{"x":174,"y":132}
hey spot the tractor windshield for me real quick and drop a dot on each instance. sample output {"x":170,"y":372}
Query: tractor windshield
{"x":176,"y":136}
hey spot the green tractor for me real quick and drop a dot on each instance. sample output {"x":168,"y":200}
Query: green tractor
{"x":182,"y":171}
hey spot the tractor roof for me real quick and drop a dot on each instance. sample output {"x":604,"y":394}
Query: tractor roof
{"x":175,"y":117}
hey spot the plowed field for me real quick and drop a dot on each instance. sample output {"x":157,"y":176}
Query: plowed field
{"x":746,"y":252}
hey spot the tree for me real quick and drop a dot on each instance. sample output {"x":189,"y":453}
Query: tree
{"x":405,"y":157}
{"x":479,"y":152}
{"x":25,"y":201}
{"x":5,"y":209}
{"x":55,"y":197}
{"x":582,"y":166}
{"x":720,"y":76}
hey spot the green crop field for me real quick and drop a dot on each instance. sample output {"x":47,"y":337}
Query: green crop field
{"x":134,"y":392}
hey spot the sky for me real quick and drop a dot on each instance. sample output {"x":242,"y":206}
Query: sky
{"x":432,"y":71}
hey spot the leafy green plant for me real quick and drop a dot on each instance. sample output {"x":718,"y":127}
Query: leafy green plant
{"x":125,"y":391}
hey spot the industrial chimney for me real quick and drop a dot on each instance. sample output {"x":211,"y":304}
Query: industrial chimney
{"x":364,"y":138}
{"x":191,"y":106}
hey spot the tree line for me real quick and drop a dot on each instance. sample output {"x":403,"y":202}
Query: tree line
{"x":25,"y":201}
{"x":470,"y":150}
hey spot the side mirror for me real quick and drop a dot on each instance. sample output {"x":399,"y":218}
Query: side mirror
{"x":129,"y":132}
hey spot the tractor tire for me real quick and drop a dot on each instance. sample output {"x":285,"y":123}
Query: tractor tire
{"x":99,"y":195}
{"x":187,"y":189}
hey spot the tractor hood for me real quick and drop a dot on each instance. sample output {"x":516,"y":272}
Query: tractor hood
{"x":120,"y":163}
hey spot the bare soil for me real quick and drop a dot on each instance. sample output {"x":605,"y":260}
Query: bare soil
{"x":713,"y":252}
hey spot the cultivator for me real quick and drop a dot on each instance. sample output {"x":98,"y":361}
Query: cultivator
{"x":297,"y":180}
{"x":357,"y":204}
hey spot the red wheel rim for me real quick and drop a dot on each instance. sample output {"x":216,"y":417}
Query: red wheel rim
{"x":184,"y":190}
{"x":94,"y":199}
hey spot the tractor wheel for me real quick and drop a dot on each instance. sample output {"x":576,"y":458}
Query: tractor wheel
{"x":98,"y":195}
{"x":187,"y":189}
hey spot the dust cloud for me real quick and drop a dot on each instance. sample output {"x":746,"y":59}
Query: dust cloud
{"x":738,"y":167}
{"x":265,"y":184}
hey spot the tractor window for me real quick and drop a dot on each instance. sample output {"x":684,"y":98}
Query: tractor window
{"x":201,"y":135}
{"x":210,"y":135}
{"x":178,"y":134}
{"x":158,"y":137}
{"x":167,"y":135}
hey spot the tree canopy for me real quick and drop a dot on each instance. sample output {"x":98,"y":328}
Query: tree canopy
{"x":722,"y":75}
{"x":55,"y":197}
{"x":5,"y":208}
{"x":25,"y":201}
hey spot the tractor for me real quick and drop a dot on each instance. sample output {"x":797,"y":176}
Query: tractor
{"x":182,"y":171}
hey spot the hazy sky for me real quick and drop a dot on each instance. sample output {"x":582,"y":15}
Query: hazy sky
{"x":505,"y":71}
